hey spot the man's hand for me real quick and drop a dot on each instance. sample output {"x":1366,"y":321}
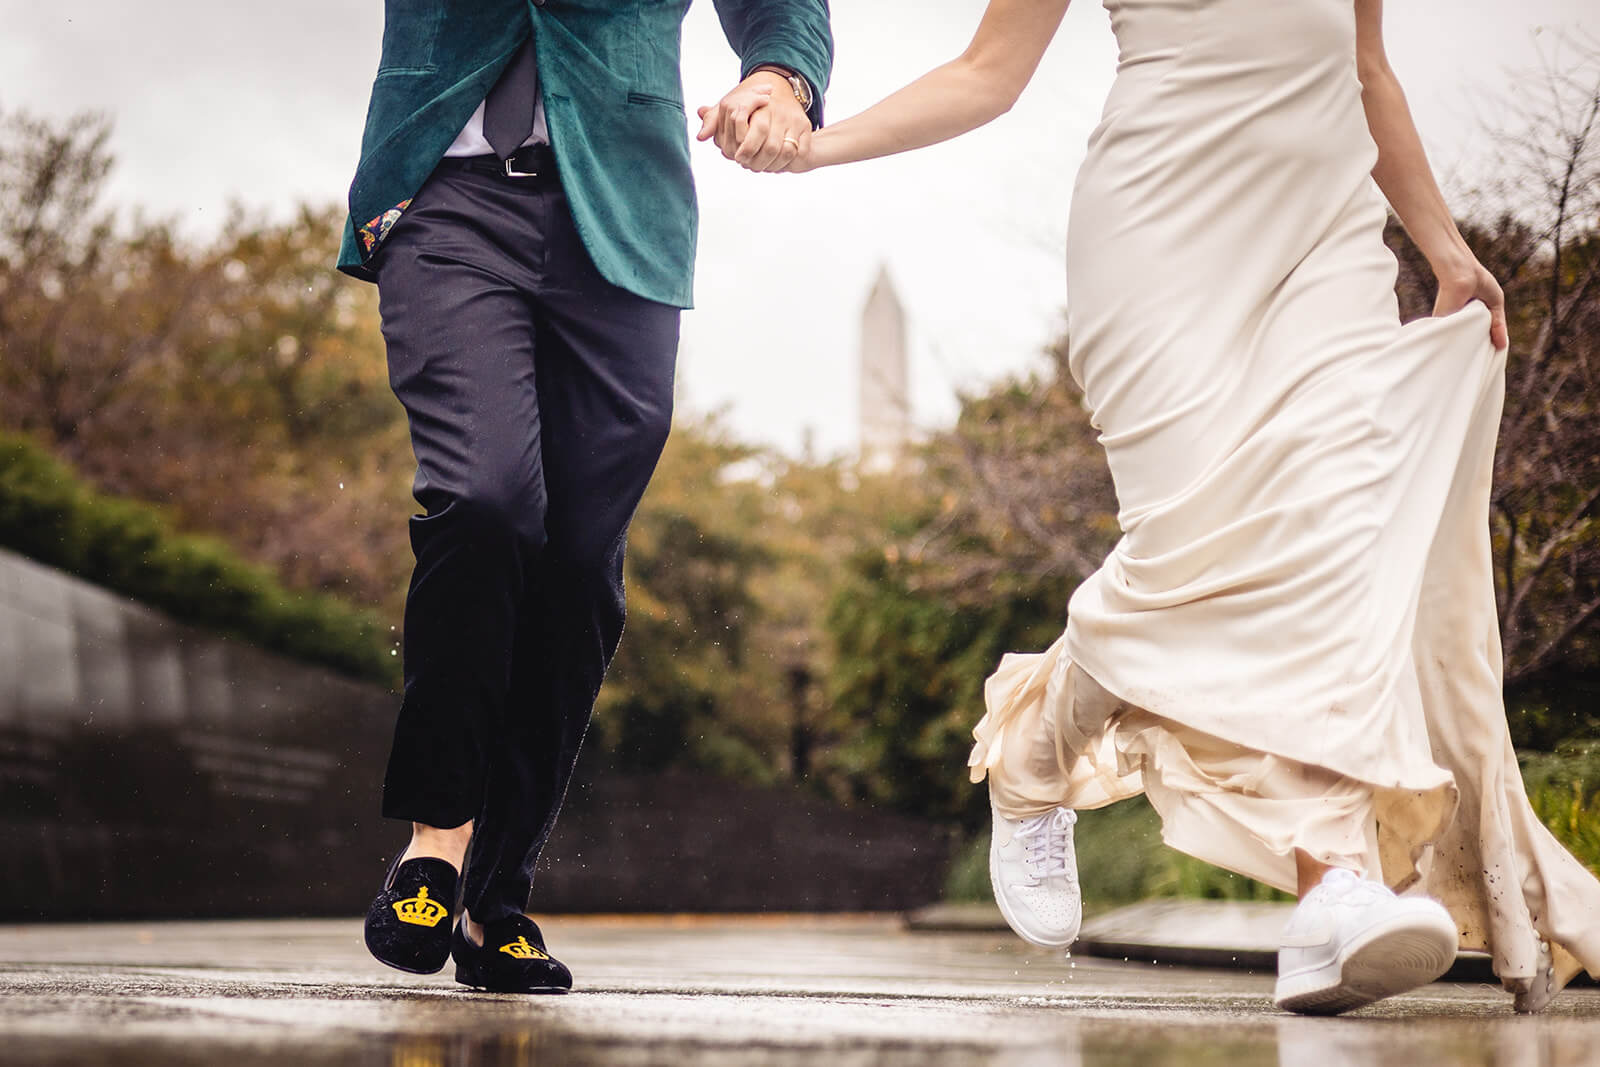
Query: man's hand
{"x":759,"y":125}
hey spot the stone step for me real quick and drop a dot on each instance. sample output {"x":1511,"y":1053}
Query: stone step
{"x":1228,"y":934}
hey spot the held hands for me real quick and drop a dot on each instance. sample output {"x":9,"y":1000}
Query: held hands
{"x":760,"y":125}
{"x":1469,"y":281}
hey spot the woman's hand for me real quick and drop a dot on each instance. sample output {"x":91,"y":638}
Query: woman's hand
{"x":1469,"y":281}
{"x":1402,"y":172}
{"x":760,"y":125}
{"x":806,"y":157}
{"x":978,"y":86}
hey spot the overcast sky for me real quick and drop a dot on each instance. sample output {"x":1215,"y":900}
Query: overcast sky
{"x":264,"y":103}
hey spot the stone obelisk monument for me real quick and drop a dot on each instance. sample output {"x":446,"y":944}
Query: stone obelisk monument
{"x":885,"y":377}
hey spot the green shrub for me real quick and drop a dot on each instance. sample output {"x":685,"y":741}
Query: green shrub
{"x":1574,"y":820}
{"x":131,"y":548}
{"x":39,"y":507}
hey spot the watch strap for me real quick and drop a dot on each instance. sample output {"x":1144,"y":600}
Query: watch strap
{"x":797,"y":82}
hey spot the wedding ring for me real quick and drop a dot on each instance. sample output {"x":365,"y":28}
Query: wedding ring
{"x":791,"y":140}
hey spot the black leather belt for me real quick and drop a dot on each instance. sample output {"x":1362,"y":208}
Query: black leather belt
{"x":525,"y":164}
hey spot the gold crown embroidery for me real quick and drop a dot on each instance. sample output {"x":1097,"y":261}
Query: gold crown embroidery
{"x":521,"y":950}
{"x":419,"y":910}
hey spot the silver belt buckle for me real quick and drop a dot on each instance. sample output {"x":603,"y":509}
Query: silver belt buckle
{"x":512,"y":172}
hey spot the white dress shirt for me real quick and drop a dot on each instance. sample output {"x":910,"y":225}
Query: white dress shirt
{"x":470,"y":141}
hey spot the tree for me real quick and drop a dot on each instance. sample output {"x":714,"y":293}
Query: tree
{"x":1019,"y":506}
{"x":72,"y":345}
{"x":1025,"y":494}
{"x":732,"y":563}
{"x":1542,"y":240}
{"x":908,"y":685}
{"x":238,"y":382}
{"x":673,"y":694}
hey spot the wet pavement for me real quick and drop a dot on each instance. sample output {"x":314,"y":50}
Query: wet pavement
{"x":842,"y":991}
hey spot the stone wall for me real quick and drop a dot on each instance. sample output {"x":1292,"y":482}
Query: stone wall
{"x":148,"y":769}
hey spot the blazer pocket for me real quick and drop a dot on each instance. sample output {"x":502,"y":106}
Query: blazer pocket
{"x":652,"y":100}
{"x":410,"y":36}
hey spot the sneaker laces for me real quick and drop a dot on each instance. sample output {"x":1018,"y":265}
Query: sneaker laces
{"x":1046,"y":840}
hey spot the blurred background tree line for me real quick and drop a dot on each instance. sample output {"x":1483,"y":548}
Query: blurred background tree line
{"x":208,"y":426}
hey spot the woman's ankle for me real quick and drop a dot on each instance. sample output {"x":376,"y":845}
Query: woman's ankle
{"x":1308,"y":872}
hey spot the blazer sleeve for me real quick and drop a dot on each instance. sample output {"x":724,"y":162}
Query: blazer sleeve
{"x":788,"y":33}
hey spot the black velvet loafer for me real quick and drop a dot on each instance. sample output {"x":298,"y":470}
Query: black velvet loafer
{"x":512,"y":959}
{"x":408,"y":925}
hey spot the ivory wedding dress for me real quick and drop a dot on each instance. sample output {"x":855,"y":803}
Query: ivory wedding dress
{"x":1294,"y":644}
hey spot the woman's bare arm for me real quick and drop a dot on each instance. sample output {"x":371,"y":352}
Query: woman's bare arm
{"x":1407,"y":181}
{"x":974,"y":88}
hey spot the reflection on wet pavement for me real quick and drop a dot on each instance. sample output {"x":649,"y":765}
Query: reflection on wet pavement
{"x":719,"y":993}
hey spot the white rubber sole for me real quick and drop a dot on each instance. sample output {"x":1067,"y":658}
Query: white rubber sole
{"x":1392,"y":957}
{"x":1011,"y":918}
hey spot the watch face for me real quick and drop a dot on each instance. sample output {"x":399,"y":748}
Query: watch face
{"x":801,"y":87}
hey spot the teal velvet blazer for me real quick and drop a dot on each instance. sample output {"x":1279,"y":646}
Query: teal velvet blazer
{"x":613,"y":94}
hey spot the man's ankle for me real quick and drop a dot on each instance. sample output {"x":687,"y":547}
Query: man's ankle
{"x":448,"y":844}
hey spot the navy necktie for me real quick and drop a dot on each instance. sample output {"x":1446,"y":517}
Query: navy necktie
{"x":508,"y":109}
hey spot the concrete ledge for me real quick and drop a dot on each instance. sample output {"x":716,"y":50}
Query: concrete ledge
{"x":1227,"y":934}
{"x":153,"y":770}
{"x":955,"y":918}
{"x":1196,"y":933}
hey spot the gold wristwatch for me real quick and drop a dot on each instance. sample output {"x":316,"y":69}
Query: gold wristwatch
{"x":801,"y":87}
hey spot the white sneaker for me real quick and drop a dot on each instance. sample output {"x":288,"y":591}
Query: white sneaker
{"x":1351,"y":942}
{"x":1533,"y":995}
{"x":1034,"y":872}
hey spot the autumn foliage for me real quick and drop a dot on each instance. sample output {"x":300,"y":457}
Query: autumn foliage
{"x":790,"y":618}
